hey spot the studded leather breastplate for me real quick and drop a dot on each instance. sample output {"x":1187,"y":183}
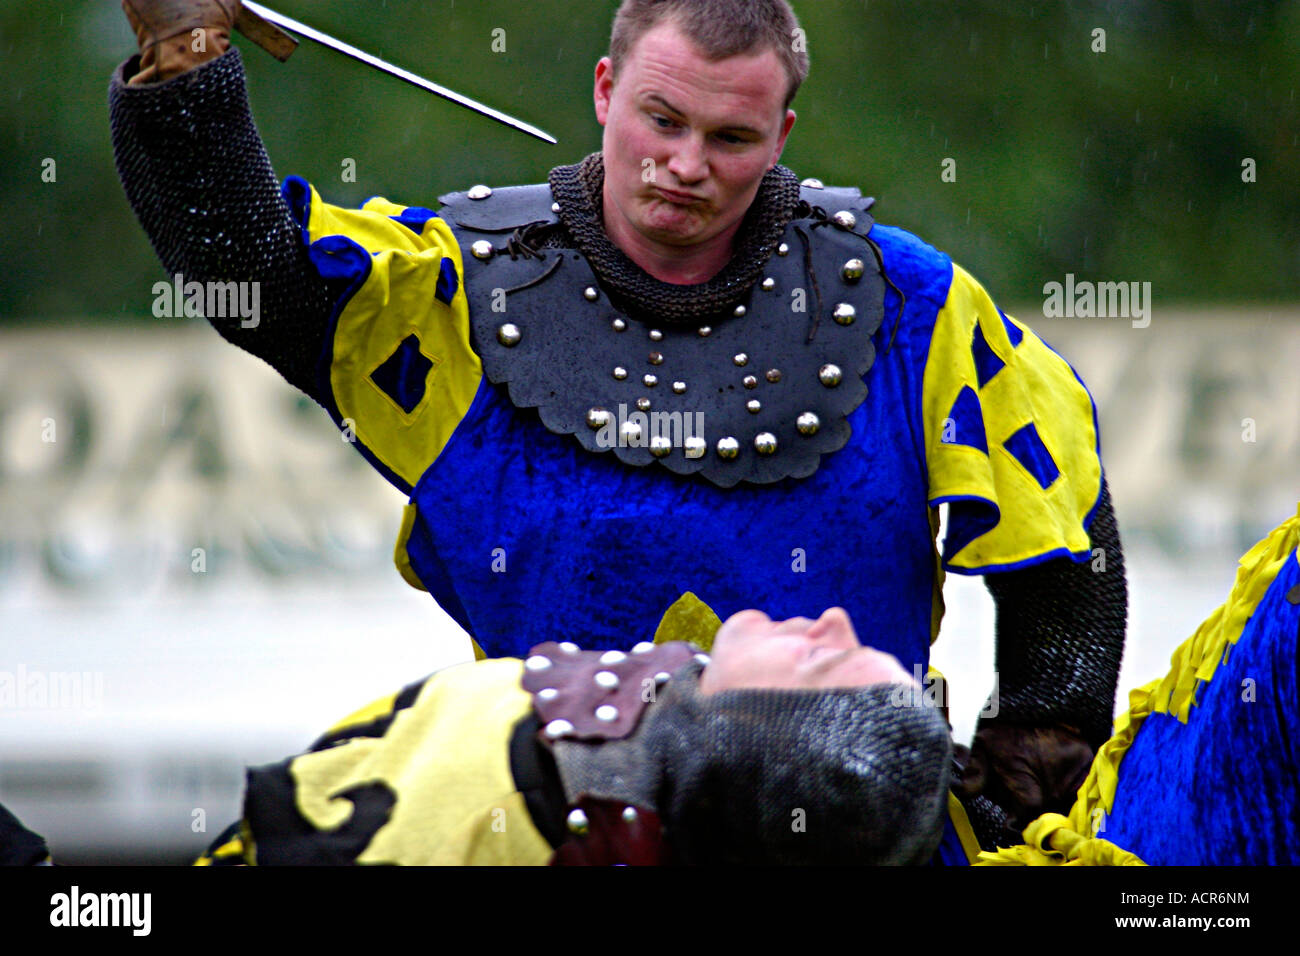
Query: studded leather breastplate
{"x":757,"y":393}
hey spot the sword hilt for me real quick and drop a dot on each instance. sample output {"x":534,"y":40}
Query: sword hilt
{"x":265,"y":34}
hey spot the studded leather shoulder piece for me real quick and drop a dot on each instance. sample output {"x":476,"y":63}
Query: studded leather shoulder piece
{"x":758,"y":394}
{"x":597,"y":695}
{"x":504,"y":209}
{"x":611,"y":833}
{"x":834,"y":198}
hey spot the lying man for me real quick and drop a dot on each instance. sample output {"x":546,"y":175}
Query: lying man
{"x":792,"y":743}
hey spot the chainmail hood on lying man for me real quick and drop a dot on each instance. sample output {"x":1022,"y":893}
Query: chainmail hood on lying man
{"x":196,"y":173}
{"x":753,"y":776}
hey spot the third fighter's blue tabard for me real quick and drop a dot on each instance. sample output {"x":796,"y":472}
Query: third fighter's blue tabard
{"x":525,"y":530}
{"x":1203,"y":768}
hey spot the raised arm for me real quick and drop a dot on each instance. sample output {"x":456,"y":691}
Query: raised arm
{"x":199,"y":179}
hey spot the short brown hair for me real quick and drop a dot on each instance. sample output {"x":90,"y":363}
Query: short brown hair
{"x":720,"y":28}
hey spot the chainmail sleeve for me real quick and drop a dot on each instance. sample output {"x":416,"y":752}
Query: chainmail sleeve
{"x":1060,"y":636}
{"x":198,"y":177}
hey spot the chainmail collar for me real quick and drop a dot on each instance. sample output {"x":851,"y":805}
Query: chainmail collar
{"x":579,"y":189}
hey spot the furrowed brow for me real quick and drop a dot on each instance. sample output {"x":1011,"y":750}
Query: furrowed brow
{"x":656,"y":98}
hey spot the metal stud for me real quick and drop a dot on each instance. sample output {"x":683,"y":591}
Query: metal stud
{"x":650,"y":381}
{"x":830,"y":375}
{"x":695,"y":447}
{"x":845,"y":313}
{"x":479,"y":192}
{"x":656,"y":335}
{"x":741,"y":359}
{"x":481,"y":249}
{"x":774,"y":375}
{"x":679,"y":387}
{"x":555,"y":208}
{"x":660,"y":446}
{"x":598,"y":418}
{"x":750,"y":381}
{"x":629,"y":815}
{"x":618,"y":325}
{"x":558,"y":728}
{"x":769,"y":284}
{"x":607,"y":680}
{"x":548,"y":693}
{"x":754,"y":406}
{"x":656,"y":358}
{"x":783,"y":249}
{"x":703,"y":658}
{"x":704,"y":331}
{"x":591,"y":293}
{"x":607,"y":713}
{"x":739,"y":311}
{"x":808,"y":423}
{"x":537,"y":663}
{"x":613,"y":657}
{"x":569,"y":647}
{"x":643,"y":404}
{"x":812,"y":183}
{"x":620,"y":372}
{"x":853,"y":270}
{"x":631,"y":432}
{"x":662,"y":677}
{"x":577,"y":823}
{"x":765,"y":443}
{"x":844,"y":219}
{"x":728,"y":448}
{"x":509,"y":335}
{"x":642,"y":647}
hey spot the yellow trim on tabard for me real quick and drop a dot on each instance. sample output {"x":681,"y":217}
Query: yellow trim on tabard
{"x":1052,"y":840}
{"x":400,"y":556}
{"x":446,"y":757}
{"x":1192,"y":664}
{"x":397,"y":300}
{"x":1036,"y":385}
{"x":965,"y":832}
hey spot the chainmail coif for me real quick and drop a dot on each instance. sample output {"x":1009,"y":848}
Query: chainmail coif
{"x":756,"y":776}
{"x":579,"y":188}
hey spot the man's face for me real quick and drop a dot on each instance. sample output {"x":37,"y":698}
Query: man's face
{"x":687,"y":141}
{"x":752,"y":650}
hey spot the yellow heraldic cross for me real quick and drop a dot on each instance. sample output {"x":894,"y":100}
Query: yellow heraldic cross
{"x":396,"y":301}
{"x":1010,"y":436}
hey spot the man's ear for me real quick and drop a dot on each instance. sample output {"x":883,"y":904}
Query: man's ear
{"x":786,"y":125}
{"x":604,"y":88}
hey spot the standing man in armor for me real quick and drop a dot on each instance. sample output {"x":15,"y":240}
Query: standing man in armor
{"x":671,"y":368}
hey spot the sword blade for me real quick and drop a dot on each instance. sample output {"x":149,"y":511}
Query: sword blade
{"x":324,"y":39}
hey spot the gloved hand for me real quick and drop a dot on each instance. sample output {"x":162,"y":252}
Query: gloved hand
{"x":1025,"y":770}
{"x":165,"y":30}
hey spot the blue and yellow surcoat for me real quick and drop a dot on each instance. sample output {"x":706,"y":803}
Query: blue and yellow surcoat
{"x":522,"y":536}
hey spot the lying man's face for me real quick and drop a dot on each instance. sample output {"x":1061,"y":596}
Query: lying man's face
{"x":752,"y":650}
